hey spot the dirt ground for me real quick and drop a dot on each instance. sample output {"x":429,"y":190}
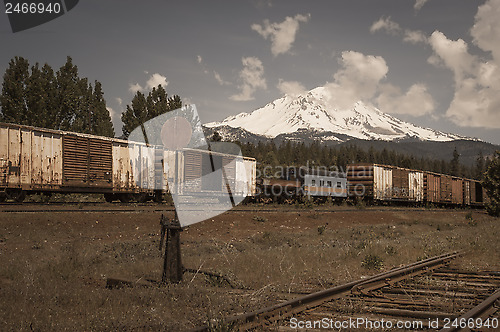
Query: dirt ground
{"x":54,"y":264}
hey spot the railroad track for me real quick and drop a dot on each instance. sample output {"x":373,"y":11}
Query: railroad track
{"x":423,"y":295}
{"x":59,"y":207}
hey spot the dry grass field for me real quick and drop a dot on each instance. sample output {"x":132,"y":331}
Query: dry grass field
{"x":54,"y":265}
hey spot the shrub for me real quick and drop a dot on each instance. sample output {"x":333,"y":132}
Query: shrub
{"x":372,"y":262}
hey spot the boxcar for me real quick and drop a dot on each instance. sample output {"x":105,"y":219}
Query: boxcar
{"x":385,"y":183}
{"x":203,"y":172}
{"x":35,"y":160}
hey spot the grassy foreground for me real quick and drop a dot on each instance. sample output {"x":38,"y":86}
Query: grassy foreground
{"x":53,"y":266}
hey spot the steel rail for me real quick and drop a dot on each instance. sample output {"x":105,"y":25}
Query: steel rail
{"x":279,"y":311}
{"x":482,"y":310}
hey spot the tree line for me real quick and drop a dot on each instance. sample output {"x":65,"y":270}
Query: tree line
{"x":40,"y":96}
{"x":315,"y":154}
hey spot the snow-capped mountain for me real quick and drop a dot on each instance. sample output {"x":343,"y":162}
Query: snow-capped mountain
{"x":313,"y":113}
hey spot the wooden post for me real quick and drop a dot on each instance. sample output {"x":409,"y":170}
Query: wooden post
{"x":172,"y":264}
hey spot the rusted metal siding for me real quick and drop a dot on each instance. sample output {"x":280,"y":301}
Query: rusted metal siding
{"x":446,"y":189}
{"x":400,"y":184}
{"x":4,"y":157}
{"x":146,"y":167}
{"x":123,"y":180}
{"x":360,"y":179}
{"x":467,"y":192}
{"x":29,"y":158}
{"x":416,"y":186}
{"x":87,"y":162}
{"x":382,"y":183}
{"x":457,"y":191}
{"x":101,"y":162}
{"x":46,"y":162}
{"x":432,"y":188}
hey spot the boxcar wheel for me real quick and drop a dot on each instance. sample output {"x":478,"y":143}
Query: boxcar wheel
{"x":109,"y":197}
{"x":158,"y":197}
{"x":3,"y":197}
{"x":142,"y":197}
{"x":18,"y":195}
{"x":125,"y":198}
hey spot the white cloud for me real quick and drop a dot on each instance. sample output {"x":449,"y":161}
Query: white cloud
{"x":358,"y":78}
{"x":292,"y":88}
{"x":361,"y":78}
{"x":282,"y":35}
{"x":453,"y":54}
{"x":134,"y":88}
{"x":415,"y":102}
{"x":219,"y":79}
{"x":419,"y":4}
{"x":119,"y":101}
{"x":387,"y":25}
{"x":487,"y":28}
{"x":251,"y":77}
{"x":112,"y":113}
{"x":415,"y":37}
{"x":199,"y":59}
{"x":393,"y":28}
{"x":153,"y":81}
{"x":476,"y":100}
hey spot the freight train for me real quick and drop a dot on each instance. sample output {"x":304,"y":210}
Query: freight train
{"x":35,"y":160}
{"x":373,"y":183}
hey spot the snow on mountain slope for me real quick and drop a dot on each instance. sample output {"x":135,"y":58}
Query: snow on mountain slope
{"x":312,"y":111}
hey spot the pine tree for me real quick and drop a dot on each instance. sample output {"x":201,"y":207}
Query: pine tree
{"x":455,"y":163}
{"x":51,"y":100}
{"x":68,"y":87}
{"x":478,"y":174}
{"x":144,"y":108}
{"x":135,"y":114}
{"x":101,"y":124}
{"x":13,"y":97}
{"x":491,"y":182}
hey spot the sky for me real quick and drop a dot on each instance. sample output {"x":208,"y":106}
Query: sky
{"x":434,"y":63}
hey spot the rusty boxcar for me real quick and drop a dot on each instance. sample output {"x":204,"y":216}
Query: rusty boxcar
{"x":385,"y":183}
{"x":36,"y":160}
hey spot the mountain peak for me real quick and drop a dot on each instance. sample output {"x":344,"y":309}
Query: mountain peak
{"x":313,"y":111}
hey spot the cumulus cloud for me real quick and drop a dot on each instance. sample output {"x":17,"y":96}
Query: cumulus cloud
{"x":282,"y":35}
{"x":135,"y":88}
{"x":357,"y":79}
{"x":292,"y":88}
{"x":251,"y":78}
{"x":476,"y":100}
{"x":416,"y":101}
{"x":153,"y":81}
{"x":453,"y":54}
{"x":361,"y":78}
